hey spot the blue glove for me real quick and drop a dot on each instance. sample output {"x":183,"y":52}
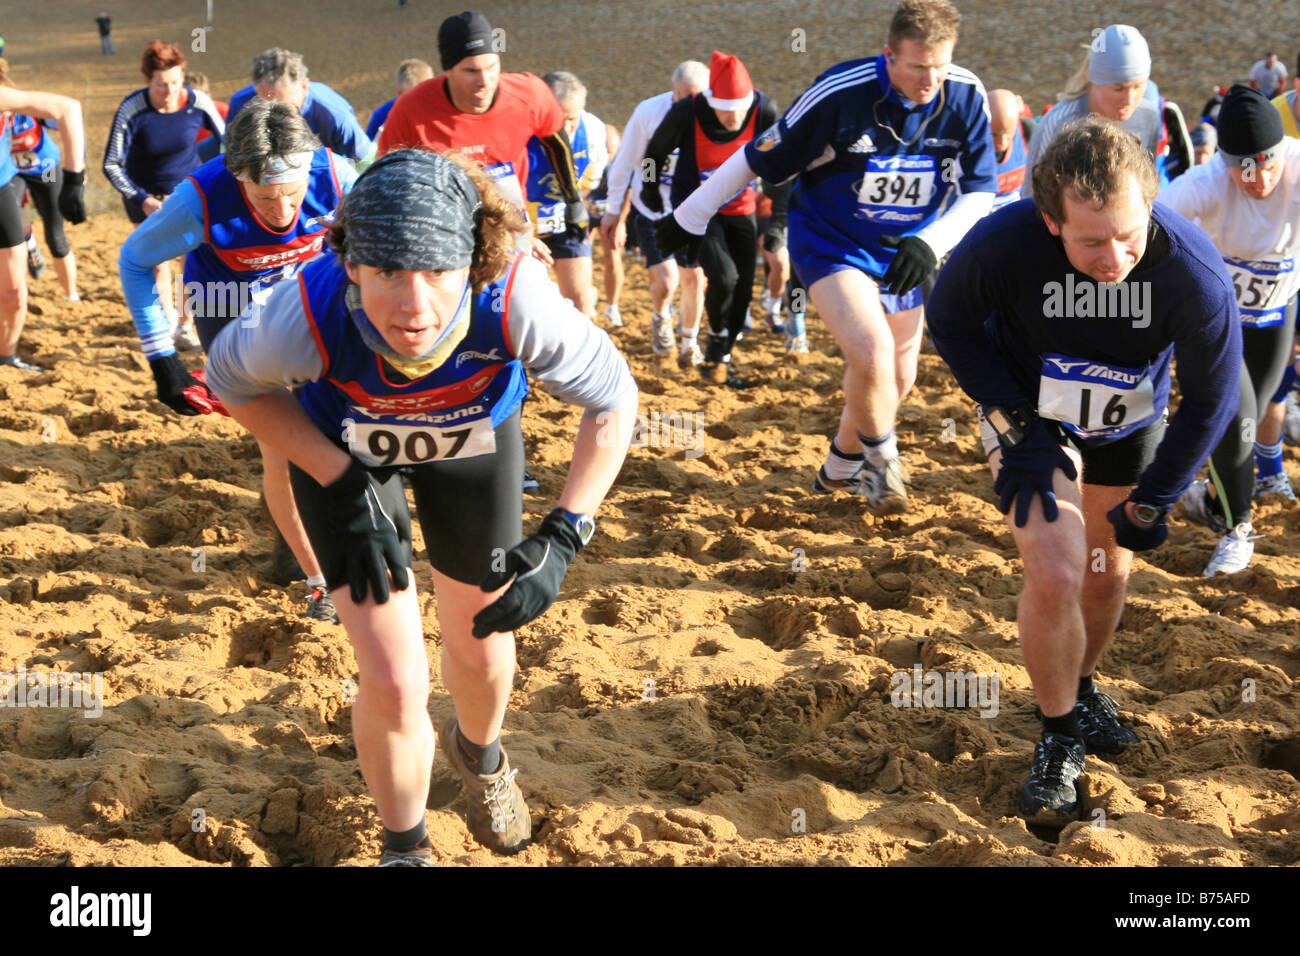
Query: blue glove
{"x":1136,"y":537}
{"x":1027,"y":470}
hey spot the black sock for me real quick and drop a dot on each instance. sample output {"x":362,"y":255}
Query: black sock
{"x":1067,"y":725}
{"x":406,"y":840}
{"x":482,"y":760}
{"x":1086,"y":687}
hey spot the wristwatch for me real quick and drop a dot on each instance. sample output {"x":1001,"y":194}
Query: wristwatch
{"x":585,"y":525}
{"x":1010,"y":424}
{"x":1149,"y":514}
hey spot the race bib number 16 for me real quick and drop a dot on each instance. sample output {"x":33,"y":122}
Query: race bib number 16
{"x":1094,"y":399}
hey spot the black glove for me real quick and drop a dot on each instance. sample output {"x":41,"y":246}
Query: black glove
{"x":72,"y":199}
{"x":670,"y":237}
{"x":368,"y":545}
{"x":651,"y":198}
{"x":774,"y":238}
{"x":575,"y":217}
{"x":912,"y":264}
{"x":1137,"y":537}
{"x":1028,"y":469}
{"x":172,"y":378}
{"x":538,"y":565}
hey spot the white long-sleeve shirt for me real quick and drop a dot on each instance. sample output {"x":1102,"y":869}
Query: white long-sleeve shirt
{"x":625,"y":170}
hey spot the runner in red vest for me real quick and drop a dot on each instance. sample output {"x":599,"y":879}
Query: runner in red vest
{"x":708,"y":128}
{"x":1010,"y":145}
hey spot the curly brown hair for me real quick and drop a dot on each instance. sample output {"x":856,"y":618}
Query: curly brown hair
{"x":495,"y":225}
{"x":1092,"y":158}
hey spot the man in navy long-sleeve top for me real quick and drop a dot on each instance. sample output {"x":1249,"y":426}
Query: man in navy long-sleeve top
{"x":1059,"y":315}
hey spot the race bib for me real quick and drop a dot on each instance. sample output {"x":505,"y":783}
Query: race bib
{"x":670,"y":167}
{"x":414,"y":439}
{"x":503,"y":174}
{"x":898,"y":183}
{"x":1094,"y":399}
{"x":550,"y":218}
{"x":1263,"y":287}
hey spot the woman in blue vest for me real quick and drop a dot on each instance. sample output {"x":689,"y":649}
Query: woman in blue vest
{"x":244,"y":221}
{"x":71,"y":202}
{"x":36,"y":156}
{"x":414,"y":339}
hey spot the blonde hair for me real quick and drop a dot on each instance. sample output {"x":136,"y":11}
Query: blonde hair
{"x":4,"y":74}
{"x":1077,"y":85}
{"x":929,"y":22}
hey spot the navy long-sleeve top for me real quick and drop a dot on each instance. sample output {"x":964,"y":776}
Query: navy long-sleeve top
{"x":1008,"y":298}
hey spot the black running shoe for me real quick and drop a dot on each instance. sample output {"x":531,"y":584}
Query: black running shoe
{"x":1048,"y":797}
{"x":1099,"y":721}
{"x":320,"y":607}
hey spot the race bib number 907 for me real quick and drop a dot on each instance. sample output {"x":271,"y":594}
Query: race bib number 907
{"x":384,"y":443}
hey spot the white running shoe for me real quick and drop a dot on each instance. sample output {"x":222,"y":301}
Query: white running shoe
{"x":1291,"y":426}
{"x":662,"y":341}
{"x":1196,"y":505}
{"x":186,"y":339}
{"x":884,"y":485}
{"x":796,"y":344}
{"x":613,"y":316}
{"x":1234,"y":551}
{"x":1278,"y":484}
{"x":691,"y":356}
{"x":765,"y":301}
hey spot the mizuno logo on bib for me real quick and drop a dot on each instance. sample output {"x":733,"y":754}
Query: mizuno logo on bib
{"x":1095,"y":399}
{"x":380,"y":440}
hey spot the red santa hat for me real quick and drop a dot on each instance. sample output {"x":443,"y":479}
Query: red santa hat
{"x":730,"y":87}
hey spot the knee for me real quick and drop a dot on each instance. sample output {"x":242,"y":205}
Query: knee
{"x":485,"y":658}
{"x":394,"y":696}
{"x":1053,"y":579}
{"x":14,"y":299}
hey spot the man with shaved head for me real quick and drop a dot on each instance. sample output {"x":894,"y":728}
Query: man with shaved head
{"x":1010,"y":144}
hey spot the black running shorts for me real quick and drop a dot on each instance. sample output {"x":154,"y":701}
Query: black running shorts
{"x":468,"y":508}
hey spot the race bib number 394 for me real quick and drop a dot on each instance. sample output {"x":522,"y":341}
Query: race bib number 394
{"x":390,"y":442}
{"x":1094,"y":399}
{"x":905,"y":182}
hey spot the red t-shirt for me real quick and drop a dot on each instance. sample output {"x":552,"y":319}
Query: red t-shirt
{"x":497,"y":140}
{"x":204,"y":132}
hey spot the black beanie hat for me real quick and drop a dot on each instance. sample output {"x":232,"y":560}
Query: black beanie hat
{"x":1249,"y":126}
{"x":465,"y":34}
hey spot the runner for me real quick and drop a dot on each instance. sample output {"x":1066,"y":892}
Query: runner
{"x":776,"y":264}
{"x":705,"y":130}
{"x":281,"y":75}
{"x":1245,"y":199}
{"x":1062,"y":389}
{"x":1288,"y":104}
{"x":244,"y":222}
{"x":152,"y":147}
{"x":570,"y":246}
{"x":1205,"y":142}
{"x":410,"y":74}
{"x":488,"y":116}
{"x":690,"y":78}
{"x":1009,"y":146}
{"x":1113,"y":83}
{"x":36,"y":157}
{"x":597,"y":207}
{"x":1268,"y":76}
{"x":425,"y":299}
{"x":877,"y":144}
{"x":71,"y":204}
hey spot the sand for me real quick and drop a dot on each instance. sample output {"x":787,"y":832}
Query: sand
{"x":714,"y":684}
